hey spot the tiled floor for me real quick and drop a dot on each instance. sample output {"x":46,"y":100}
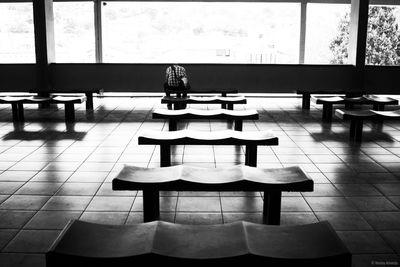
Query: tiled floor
{"x":49,"y":175}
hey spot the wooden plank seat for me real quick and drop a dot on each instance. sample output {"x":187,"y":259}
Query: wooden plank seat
{"x":357,"y":118}
{"x":222,"y":92}
{"x":378,"y":103}
{"x":93,"y":245}
{"x":236,"y":178}
{"x":228,"y":101}
{"x":17,"y":104}
{"x":173,"y":116}
{"x":228,"y":137}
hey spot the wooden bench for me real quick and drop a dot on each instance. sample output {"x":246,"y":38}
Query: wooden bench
{"x":357,"y":118}
{"x":87,"y":91}
{"x":224,"y":101}
{"x":187,"y":137}
{"x":17,"y":104}
{"x":237,"y":178}
{"x":306,"y":95}
{"x":378,"y":103}
{"x":242,"y":243}
{"x":173,"y":116}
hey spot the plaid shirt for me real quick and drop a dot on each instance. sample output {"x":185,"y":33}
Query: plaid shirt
{"x":170,"y":77}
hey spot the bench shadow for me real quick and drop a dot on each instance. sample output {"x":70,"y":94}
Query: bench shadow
{"x":48,"y":135}
{"x":369,"y":136}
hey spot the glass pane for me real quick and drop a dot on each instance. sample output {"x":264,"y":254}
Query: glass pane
{"x":74,"y":32}
{"x":17,"y":41}
{"x":200,"y":32}
{"x":383,"y":41}
{"x":327,"y":33}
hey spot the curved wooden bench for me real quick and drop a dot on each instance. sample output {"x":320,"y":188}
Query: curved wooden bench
{"x":327,"y":105}
{"x":228,"y":101}
{"x":90,"y":244}
{"x":17,"y":104}
{"x":237,"y":178}
{"x":357,"y":117}
{"x":378,"y":103}
{"x":173,"y":116}
{"x":187,"y":137}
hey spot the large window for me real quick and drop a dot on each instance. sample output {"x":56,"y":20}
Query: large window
{"x":327,"y":33}
{"x":17,"y":43}
{"x":74,"y":32}
{"x":383,"y":40}
{"x":200,"y":32}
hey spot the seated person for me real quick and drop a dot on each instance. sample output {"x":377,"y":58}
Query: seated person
{"x":176,"y":82}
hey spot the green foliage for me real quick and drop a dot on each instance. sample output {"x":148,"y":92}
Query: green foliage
{"x":383,"y":41}
{"x":339,"y":45}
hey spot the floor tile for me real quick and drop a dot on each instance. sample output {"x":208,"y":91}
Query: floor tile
{"x":199,"y":204}
{"x":323,"y":190}
{"x":99,"y":203}
{"x":383,"y":220}
{"x":392,"y":238}
{"x":329,"y":204}
{"x":32,"y":241}
{"x":51,"y":220}
{"x":372,"y":203}
{"x":358,"y":190}
{"x":198,"y":218}
{"x":254,"y":217}
{"x":38,"y":188}
{"x":67,"y":203}
{"x":364,"y":242}
{"x":14,"y":219}
{"x":78,"y":189}
{"x":297,"y":218}
{"x":389,"y":189}
{"x":9,"y":187}
{"x":24,"y":202}
{"x":51,"y":176}
{"x":294,"y":204}
{"x":5,"y":236}
{"x":87,"y":177}
{"x":17,"y":176}
{"x":344,"y":221}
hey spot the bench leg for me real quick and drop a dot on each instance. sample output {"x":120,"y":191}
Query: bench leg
{"x":15,"y":113}
{"x":223,"y":106}
{"x":230,"y":106}
{"x":238,"y":125}
{"x":69,"y":112}
{"x":151,"y":205}
{"x":172,"y":125}
{"x":272,"y":208}
{"x":21,"y":116}
{"x":356,"y":129}
{"x":306,"y":101}
{"x":251,"y":155}
{"x":89,"y":101}
{"x":327,"y":112}
{"x":165,"y":155}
